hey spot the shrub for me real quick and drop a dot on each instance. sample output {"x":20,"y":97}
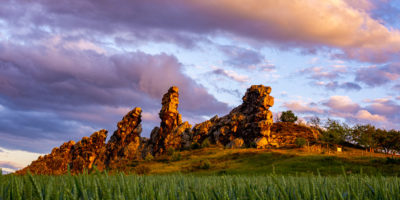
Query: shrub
{"x":288,"y":116}
{"x":205,"y":164}
{"x":195,"y":145}
{"x":142,"y":169}
{"x":149,"y":157}
{"x":170,"y":151}
{"x":205,"y":143}
{"x":300,"y":142}
{"x":176,"y":156}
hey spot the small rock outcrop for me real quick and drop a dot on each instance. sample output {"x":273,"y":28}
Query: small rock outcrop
{"x":169,"y":134}
{"x":246,"y":125}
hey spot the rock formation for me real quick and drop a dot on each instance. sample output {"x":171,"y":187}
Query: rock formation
{"x":124,"y":143}
{"x":87,"y":151}
{"x":93,"y":151}
{"x":77,"y":156}
{"x":169,"y":134}
{"x":247,"y":125}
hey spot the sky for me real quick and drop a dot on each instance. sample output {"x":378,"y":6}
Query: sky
{"x":70,"y":68}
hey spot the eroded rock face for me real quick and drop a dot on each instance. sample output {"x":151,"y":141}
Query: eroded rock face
{"x":248,"y":122}
{"x":87,"y":151}
{"x":125,"y":142}
{"x":78,"y":156}
{"x":93,"y":151}
{"x":248,"y":125}
{"x":169,"y":134}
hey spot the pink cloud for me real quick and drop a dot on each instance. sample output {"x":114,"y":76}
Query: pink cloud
{"x":341,"y":104}
{"x":301,"y":107}
{"x":365,"y":115}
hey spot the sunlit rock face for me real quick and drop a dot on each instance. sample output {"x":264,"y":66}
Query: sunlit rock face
{"x":87,"y":151}
{"x":169,"y":134}
{"x":76,"y":156}
{"x":124,"y":143}
{"x":93,"y":151}
{"x":247,"y":123}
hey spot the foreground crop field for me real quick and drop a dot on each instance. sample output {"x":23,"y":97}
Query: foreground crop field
{"x":121,"y":186}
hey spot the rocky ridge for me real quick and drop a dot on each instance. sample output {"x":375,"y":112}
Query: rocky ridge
{"x":248,"y":125}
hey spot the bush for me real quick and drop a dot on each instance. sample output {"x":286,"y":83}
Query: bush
{"x":142,"y":169}
{"x":205,"y":143}
{"x":149,"y":157}
{"x":170,"y":151}
{"x":288,"y":116}
{"x":195,"y":145}
{"x":300,"y":142}
{"x":176,"y":156}
{"x":205,"y":164}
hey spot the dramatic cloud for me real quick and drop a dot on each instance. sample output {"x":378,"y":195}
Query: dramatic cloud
{"x":48,"y":91}
{"x":338,"y":24}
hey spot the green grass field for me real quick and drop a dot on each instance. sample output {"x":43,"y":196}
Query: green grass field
{"x":217,"y":173}
{"x":121,"y":186}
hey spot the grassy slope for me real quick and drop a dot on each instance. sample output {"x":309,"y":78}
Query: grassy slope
{"x":257,"y":162}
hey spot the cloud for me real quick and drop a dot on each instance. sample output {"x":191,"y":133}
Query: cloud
{"x":376,"y":76}
{"x":385,"y":107}
{"x":318,"y":73}
{"x":52,"y":93}
{"x":301,"y":107}
{"x":11,"y":160}
{"x":230,"y":75}
{"x":241,"y":57}
{"x":341,"y":104}
{"x":9,"y":165}
{"x":365,"y":115}
{"x":334,"y":85}
{"x":338,"y":24}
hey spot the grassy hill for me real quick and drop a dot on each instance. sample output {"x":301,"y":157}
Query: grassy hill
{"x":219,"y":161}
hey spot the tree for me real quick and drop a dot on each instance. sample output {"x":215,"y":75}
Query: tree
{"x":335,"y":132}
{"x":365,"y":136}
{"x":288,"y":116}
{"x":387,"y":140}
{"x":315,"y":122}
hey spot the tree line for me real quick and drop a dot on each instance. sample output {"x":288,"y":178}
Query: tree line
{"x":336,"y":133}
